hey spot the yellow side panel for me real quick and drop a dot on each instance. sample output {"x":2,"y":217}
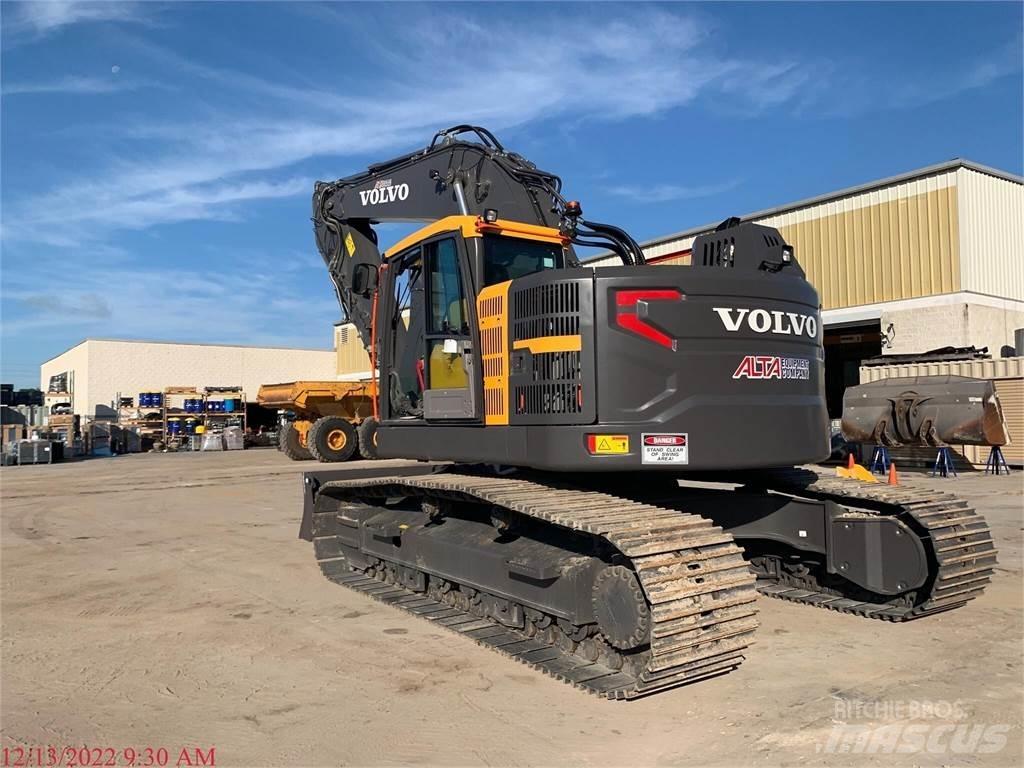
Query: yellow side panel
{"x":543,"y":344}
{"x":492,"y":309}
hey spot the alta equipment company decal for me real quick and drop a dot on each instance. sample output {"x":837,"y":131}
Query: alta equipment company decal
{"x":771,"y":367}
{"x":384,"y":192}
{"x":665,"y":448}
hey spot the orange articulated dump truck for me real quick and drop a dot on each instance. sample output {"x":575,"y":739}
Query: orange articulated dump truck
{"x":333,"y":420}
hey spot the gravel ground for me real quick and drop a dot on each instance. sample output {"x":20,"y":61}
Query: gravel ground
{"x":164,"y":601}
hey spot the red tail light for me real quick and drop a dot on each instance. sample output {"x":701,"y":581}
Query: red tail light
{"x":631,"y":313}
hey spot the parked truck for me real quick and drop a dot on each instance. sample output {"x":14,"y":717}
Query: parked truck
{"x":323,"y":420}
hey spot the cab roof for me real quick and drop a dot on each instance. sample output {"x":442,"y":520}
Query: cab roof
{"x":475,"y":226}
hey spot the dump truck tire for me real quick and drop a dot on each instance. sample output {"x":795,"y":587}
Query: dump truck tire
{"x":367,"y":432}
{"x":290,"y":444}
{"x":332,"y":439}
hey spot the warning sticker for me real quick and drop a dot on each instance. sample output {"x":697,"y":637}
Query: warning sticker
{"x":350,"y":244}
{"x":608,"y":444}
{"x":665,"y":449}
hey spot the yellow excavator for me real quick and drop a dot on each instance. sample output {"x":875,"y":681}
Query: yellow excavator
{"x":611,"y":457}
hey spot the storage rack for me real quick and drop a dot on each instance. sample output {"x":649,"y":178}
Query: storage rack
{"x":204,"y":417}
{"x":133,"y":416}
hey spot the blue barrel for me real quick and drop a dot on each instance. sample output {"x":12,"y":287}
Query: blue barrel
{"x":143,"y":400}
{"x":190,"y":427}
{"x":157,"y":399}
{"x":229,"y":406}
{"x":173,"y":427}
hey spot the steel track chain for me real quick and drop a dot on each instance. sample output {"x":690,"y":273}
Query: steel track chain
{"x":701,"y":591}
{"x":956,"y":537}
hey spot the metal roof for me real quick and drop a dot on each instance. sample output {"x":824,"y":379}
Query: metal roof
{"x":188,"y":344}
{"x":931,"y":170}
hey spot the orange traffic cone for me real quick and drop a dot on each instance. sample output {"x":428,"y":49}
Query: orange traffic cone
{"x":894,"y":479}
{"x":849,"y":460}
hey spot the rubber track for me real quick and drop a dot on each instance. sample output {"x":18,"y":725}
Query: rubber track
{"x":701,"y":591}
{"x":957,"y":538}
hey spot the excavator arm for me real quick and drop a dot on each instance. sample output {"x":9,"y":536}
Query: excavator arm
{"x":452,"y":175}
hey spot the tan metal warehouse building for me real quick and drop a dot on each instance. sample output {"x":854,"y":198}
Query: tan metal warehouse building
{"x":927,"y":259}
{"x":100,"y":370}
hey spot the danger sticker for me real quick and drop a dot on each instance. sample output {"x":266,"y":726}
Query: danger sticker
{"x":665,"y":449}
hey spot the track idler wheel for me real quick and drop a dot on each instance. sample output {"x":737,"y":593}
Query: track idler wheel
{"x":622,"y":612}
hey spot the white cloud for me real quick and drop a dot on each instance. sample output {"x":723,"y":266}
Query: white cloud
{"x":45,"y":16}
{"x":89,"y":305}
{"x":662,"y":193}
{"x":77,"y":85}
{"x":592,"y":69}
{"x":139,"y":201}
{"x":908,"y":89}
{"x":148,"y":301}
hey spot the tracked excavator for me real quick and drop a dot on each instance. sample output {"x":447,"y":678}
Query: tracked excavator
{"x":611,"y":457}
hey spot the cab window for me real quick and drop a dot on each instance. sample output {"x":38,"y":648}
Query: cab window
{"x":447,"y":303}
{"x":506,"y":258}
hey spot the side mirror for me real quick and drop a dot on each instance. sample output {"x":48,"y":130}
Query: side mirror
{"x":364,"y":280}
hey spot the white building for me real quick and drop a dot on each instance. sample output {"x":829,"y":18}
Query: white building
{"x":98,"y":371}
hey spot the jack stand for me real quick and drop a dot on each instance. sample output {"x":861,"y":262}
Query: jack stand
{"x":944,"y":463}
{"x":995,"y":464}
{"x":880,"y":460}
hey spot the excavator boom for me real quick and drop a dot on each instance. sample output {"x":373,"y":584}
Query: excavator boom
{"x":450,"y":176}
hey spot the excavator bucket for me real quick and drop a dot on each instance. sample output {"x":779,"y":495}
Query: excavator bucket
{"x":924,"y":411}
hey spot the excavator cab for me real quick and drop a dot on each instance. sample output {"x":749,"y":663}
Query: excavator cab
{"x":427,"y":308}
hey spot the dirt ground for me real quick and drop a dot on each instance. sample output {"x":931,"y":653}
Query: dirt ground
{"x":165,"y":601}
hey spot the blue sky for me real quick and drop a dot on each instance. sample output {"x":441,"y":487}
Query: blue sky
{"x":158,"y":158}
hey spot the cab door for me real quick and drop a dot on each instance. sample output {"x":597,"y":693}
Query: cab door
{"x":449,"y":361}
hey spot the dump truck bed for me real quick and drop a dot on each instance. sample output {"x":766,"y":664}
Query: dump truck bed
{"x":303,"y":394}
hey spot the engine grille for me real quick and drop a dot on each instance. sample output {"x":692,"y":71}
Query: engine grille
{"x":557,"y":387}
{"x":551,"y":343}
{"x":552,"y":309}
{"x":719,"y":253}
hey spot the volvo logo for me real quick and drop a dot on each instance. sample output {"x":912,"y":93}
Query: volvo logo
{"x":384,"y":192}
{"x":764,"y":321}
